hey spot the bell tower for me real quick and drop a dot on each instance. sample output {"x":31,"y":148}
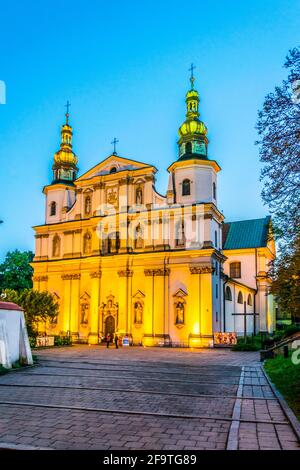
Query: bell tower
{"x":65,"y":161}
{"x":193,"y":177}
{"x":192,"y":133}
{"x":60,"y":194}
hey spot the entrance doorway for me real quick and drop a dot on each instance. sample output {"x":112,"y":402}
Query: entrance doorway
{"x":110,"y":326}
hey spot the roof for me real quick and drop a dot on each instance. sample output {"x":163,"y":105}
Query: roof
{"x":10,"y":306}
{"x":246,"y":233}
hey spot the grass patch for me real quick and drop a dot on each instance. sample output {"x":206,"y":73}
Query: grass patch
{"x":286,"y":376}
{"x":253,"y":343}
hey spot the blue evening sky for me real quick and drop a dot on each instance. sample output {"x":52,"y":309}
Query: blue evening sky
{"x":123,"y":65}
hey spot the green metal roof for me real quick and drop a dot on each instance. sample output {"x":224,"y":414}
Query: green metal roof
{"x":246,"y":234}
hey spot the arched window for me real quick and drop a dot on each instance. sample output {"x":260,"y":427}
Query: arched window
{"x":53,"y":208}
{"x":56,"y":246}
{"x":87,"y":243}
{"x":87,"y":205}
{"x":214,"y":191}
{"x":186,"y":187}
{"x":113,"y":169}
{"x":235,"y":270}
{"x":188,"y":147}
{"x":240,"y":298}
{"x":228,"y":294}
{"x":249,"y":300}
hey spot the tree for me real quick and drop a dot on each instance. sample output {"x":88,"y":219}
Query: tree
{"x":37,"y":306}
{"x":279,"y":148}
{"x":286,"y":281}
{"x":15,"y":271}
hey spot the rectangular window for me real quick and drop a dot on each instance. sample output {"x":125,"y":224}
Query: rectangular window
{"x":235,"y":270}
{"x":217,"y":291}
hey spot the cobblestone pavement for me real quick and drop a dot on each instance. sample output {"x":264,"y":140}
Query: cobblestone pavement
{"x":142,"y":398}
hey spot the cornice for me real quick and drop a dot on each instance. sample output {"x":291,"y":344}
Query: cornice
{"x":157,"y":272}
{"x":201,"y":269}
{"x":70,"y":277}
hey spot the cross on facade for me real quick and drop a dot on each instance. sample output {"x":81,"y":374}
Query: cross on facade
{"x":245,"y":315}
{"x":114,"y":143}
{"x":67,"y":105}
{"x":192,"y":78}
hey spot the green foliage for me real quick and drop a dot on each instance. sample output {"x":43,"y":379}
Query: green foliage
{"x":279,"y":149}
{"x":3,"y":370}
{"x":286,"y":281}
{"x":37,"y":306}
{"x":32,"y":341}
{"x":286,"y":377}
{"x":245,"y":347}
{"x":15,"y":271}
{"x":253,"y":343}
{"x":62,"y":341}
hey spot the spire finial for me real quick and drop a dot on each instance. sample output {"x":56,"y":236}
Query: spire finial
{"x":192,"y":78}
{"x":114,"y":143}
{"x":67,"y":105}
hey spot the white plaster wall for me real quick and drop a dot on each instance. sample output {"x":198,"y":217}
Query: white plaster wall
{"x":247,"y":260}
{"x":201,"y":177}
{"x":12,"y":320}
{"x":54,"y":195}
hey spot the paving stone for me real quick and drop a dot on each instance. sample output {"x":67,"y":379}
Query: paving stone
{"x":126,"y":375}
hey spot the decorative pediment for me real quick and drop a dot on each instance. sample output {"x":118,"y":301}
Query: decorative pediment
{"x":85,"y":297}
{"x":113,"y":164}
{"x":138,"y":295}
{"x":180,"y":293}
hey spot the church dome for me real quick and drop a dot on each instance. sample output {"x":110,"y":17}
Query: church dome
{"x":192,"y":127}
{"x":65,"y":161}
{"x":65,"y":156}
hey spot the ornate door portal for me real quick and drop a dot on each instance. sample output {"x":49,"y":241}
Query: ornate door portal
{"x":109,"y":327}
{"x":109,"y":313}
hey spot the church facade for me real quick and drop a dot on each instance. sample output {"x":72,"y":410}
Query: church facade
{"x":160,"y":269}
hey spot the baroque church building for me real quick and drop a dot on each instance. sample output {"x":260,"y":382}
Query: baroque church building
{"x":161,"y":269}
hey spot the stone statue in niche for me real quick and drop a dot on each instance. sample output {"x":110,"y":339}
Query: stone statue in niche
{"x":87,"y":243}
{"x":84,"y":308}
{"x":138,"y":312}
{"x":139,"y":242}
{"x":56,"y":246}
{"x":87,"y":206}
{"x":180,"y":234}
{"x":139,"y":196}
{"x":179,"y":307}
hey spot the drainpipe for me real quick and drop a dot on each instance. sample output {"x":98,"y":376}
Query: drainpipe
{"x":224,"y":303}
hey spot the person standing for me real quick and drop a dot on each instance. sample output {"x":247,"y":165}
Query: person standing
{"x":107,"y":340}
{"x":116,"y":341}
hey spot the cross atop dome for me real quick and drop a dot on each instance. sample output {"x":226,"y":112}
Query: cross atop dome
{"x":192,"y":78}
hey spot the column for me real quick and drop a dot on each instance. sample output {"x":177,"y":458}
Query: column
{"x":74,"y":304}
{"x":149,"y":308}
{"x":94,"y":312}
{"x":66,"y":323}
{"x":202,"y":303}
{"x":124,"y":323}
